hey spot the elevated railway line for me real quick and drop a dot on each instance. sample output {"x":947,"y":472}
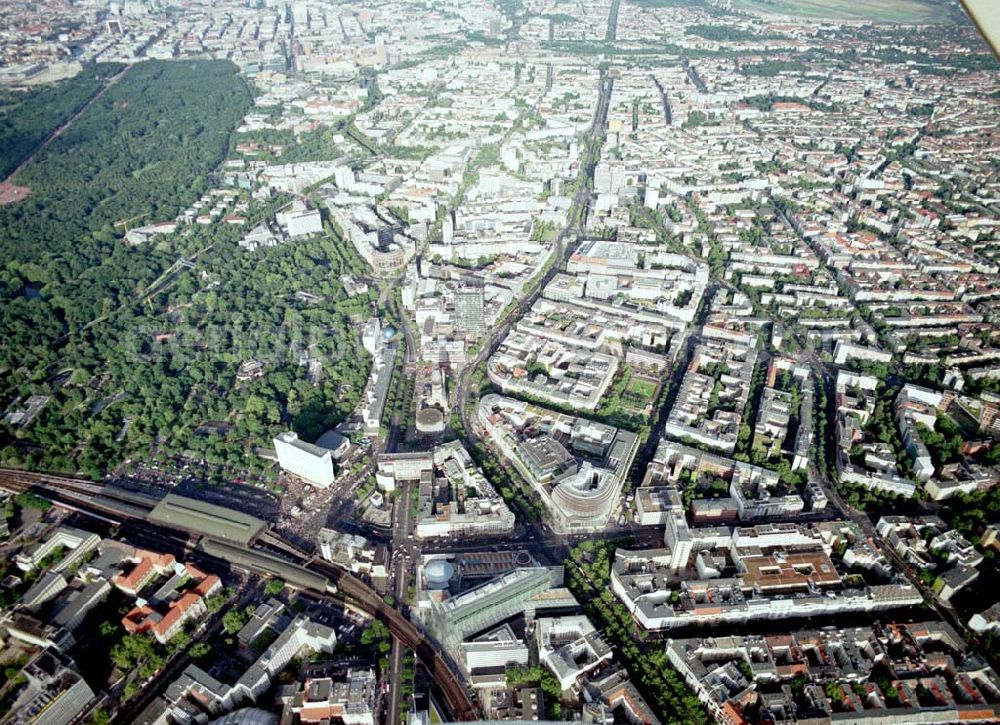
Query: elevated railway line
{"x":105,"y":503}
{"x":456,"y":696}
{"x":277,"y":558}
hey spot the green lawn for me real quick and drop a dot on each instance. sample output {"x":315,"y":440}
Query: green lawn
{"x":639,"y":391}
{"x":881,"y":11}
{"x":624,"y":405}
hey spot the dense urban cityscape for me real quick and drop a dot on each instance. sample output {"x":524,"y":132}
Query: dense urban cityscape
{"x":426,"y":361}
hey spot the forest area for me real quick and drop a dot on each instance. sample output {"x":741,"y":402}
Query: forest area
{"x":134,"y":151}
{"x":27,"y":118}
{"x":131,"y":374}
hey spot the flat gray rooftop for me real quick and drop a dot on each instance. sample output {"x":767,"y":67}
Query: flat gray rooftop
{"x":206,"y":519}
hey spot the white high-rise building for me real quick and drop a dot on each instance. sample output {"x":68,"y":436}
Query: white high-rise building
{"x":343,"y":177}
{"x":677,"y":537}
{"x":300,"y":13}
{"x":371,"y":336}
{"x":608,"y":178}
{"x":305,"y":222}
{"x":508,"y":155}
{"x":602,"y":178}
{"x":305,"y":460}
{"x":448,"y":228}
{"x":652,"y":197}
{"x":469,"y":310}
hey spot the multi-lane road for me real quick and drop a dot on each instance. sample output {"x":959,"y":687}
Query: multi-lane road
{"x":404,"y":549}
{"x":403,"y":553}
{"x":573,"y":231}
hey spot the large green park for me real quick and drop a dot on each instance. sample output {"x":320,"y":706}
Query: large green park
{"x":138,"y":347}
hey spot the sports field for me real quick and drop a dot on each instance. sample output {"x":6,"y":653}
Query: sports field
{"x":881,"y":11}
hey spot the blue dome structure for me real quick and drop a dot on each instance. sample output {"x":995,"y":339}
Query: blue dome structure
{"x":439,"y":573}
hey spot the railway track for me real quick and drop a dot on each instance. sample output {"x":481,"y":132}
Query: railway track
{"x":274,"y":541}
{"x":94,"y":499}
{"x":454,"y":692}
{"x":117,"y":506}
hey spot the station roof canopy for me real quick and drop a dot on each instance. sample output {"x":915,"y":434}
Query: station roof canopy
{"x":206,"y":519}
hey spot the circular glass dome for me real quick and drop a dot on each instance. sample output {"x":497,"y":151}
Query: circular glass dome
{"x":439,"y":573}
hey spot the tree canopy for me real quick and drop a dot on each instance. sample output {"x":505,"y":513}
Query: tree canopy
{"x":132,"y":368}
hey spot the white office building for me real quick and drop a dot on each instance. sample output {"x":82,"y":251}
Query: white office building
{"x":305,"y":460}
{"x":304,"y":223}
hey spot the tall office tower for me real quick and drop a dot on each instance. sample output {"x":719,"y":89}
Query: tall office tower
{"x":469,"y":315}
{"x":677,"y":537}
{"x":448,"y":227}
{"x":343,"y":177}
{"x":652,"y":197}
{"x":300,"y":13}
{"x":305,"y":460}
